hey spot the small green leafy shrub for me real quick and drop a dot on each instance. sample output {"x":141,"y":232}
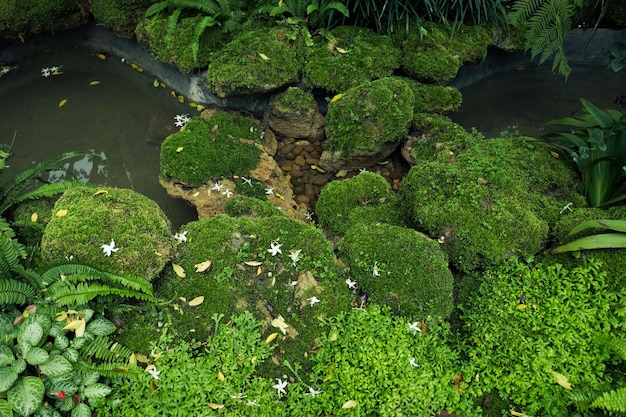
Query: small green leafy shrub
{"x":207,"y":153}
{"x":530,"y":331}
{"x":53,"y":365}
{"x":597,"y":144}
{"x":399,"y":267}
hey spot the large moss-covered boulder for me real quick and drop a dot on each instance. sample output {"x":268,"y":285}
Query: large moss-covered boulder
{"x":435,"y":54}
{"x":120,"y":16}
{"x":349,"y":57}
{"x":366,"y":124}
{"x":36,"y":16}
{"x":282,"y":270}
{"x":431,"y":98}
{"x":494,"y":199}
{"x":294,"y":113}
{"x":116,"y":230}
{"x":256,"y":61}
{"x":400,"y":268}
{"x":365,"y":198}
{"x":175,"y":46}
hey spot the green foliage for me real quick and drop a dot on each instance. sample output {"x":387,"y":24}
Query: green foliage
{"x":37,"y":16}
{"x":546,"y":25}
{"x":615,"y":56}
{"x":250,"y":206}
{"x":529,"y":333}
{"x":209,"y":154}
{"x":120,"y":16}
{"x":597,"y":144}
{"x":597,"y":241}
{"x":225,"y":13}
{"x":316,"y":14}
{"x":52,"y":364}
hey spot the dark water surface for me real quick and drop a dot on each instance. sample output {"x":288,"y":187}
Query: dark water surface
{"x":124,"y":119}
{"x":531,"y":95}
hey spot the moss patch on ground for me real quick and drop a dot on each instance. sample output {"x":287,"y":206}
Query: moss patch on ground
{"x":120,"y":16}
{"x":222,"y":146}
{"x":36,"y":16}
{"x":85,"y":218}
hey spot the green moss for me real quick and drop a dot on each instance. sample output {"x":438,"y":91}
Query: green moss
{"x":495,"y":199}
{"x":175,"y":48}
{"x":436,"y":98}
{"x":368,"y":116}
{"x":210,"y":152}
{"x":437,"y":55}
{"x":36,"y":16}
{"x":413,"y":276}
{"x":120,"y":16}
{"x":437,"y":136}
{"x":353,"y":56}
{"x":249,"y":206}
{"x":137,"y":224}
{"x":257,"y":61}
{"x":363,"y":198}
{"x":28,"y":231}
{"x":266,"y":287}
{"x":293,"y":99}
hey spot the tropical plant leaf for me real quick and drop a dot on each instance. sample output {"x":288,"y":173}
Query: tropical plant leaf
{"x":26,"y":395}
{"x":616,"y":225}
{"x":599,"y":241}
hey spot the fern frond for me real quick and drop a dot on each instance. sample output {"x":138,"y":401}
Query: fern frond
{"x":129,"y":281}
{"x":612,"y":401}
{"x":613,"y":343}
{"x":11,"y":251}
{"x":49,"y":190}
{"x":70,"y":293}
{"x":15,"y":292}
{"x":156,"y":8}
{"x":53,"y":272}
{"x":522,"y":10}
{"x":107,"y":370}
{"x":104,"y":349}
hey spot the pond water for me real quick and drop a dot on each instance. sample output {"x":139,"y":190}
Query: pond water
{"x":528,"y":96}
{"x":110,"y":108}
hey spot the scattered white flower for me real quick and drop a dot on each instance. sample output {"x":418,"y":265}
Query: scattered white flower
{"x":415,"y":326}
{"x":269,"y":191}
{"x":247,"y":181}
{"x":566,"y":207}
{"x":280,"y":386}
{"x":351,"y":284}
{"x":314,"y":300}
{"x":413,"y":363}
{"x":110,"y":248}
{"x":153,"y":371}
{"x":54,"y":69}
{"x":441,"y":239}
{"x":309,"y":215}
{"x":293,"y":283}
{"x":227,"y":193}
{"x":181,"y":120}
{"x":69,"y":258}
{"x":45,"y":72}
{"x":217,"y":187}
{"x":251,"y":403}
{"x":239,"y":396}
{"x":275,"y":248}
{"x":313,"y":392}
{"x":295,"y":256}
{"x":375,"y":270}
{"x":4,"y":70}
{"x":181,"y":237}
{"x":362,"y":170}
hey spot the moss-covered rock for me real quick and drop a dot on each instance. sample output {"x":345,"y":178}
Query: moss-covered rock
{"x":369,"y":116}
{"x":365,"y":198}
{"x":400,"y":268}
{"x":36,"y":16}
{"x":174,"y":46}
{"x":352,"y":56}
{"x":120,"y":16}
{"x":437,"y":55}
{"x":222,"y":146}
{"x":431,"y":98}
{"x":29,"y":219}
{"x":613,"y":260}
{"x":495,"y":199}
{"x":246,"y":275}
{"x":256,"y":61}
{"x":85,"y":219}
{"x":250,"y":207}
{"x":295,"y":114}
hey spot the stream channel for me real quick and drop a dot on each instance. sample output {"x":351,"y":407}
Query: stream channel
{"x":107,"y":106}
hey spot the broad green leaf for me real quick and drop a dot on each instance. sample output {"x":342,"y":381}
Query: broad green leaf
{"x":6,"y":325}
{"x":97,"y":391}
{"x":90,"y":378}
{"x":616,"y":225}
{"x":81,"y":410}
{"x":600,"y":241}
{"x":71,"y":355}
{"x":19,"y":365}
{"x":36,"y":356}
{"x":6,"y":355}
{"x":61,"y":342}
{"x":5,"y":409}
{"x":601,"y":117}
{"x":31,"y":333}
{"x":101,"y":327}
{"x":26,"y":395}
{"x":7,"y":377}
{"x":56,"y":366}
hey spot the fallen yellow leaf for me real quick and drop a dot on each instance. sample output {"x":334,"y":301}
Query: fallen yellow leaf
{"x":196,"y":301}
{"x":253,"y":263}
{"x":101,"y":56}
{"x":221,"y":376}
{"x":279,"y":323}
{"x":179,"y":270}
{"x":562,"y":380}
{"x":61,"y":213}
{"x":349,"y":404}
{"x":181,"y":99}
{"x":62,"y":102}
{"x":94,"y":83}
{"x":34,"y":217}
{"x":203,"y":266}
{"x":216,"y":406}
{"x":271,"y":338}
{"x":179,"y":149}
{"x":335,"y":98}
{"x":265,"y":57}
{"x":100,"y":192}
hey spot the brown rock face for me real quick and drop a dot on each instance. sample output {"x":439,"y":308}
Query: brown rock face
{"x":292,"y":123}
{"x":333,"y":162}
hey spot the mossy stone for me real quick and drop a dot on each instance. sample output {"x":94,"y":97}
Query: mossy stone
{"x":352,"y":56}
{"x":86,"y":218}
{"x":256,"y":61}
{"x":430,"y":98}
{"x":120,"y":16}
{"x":37,"y":16}
{"x":252,"y":207}
{"x":222,"y":146}
{"x":293,"y":99}
{"x":399,"y":268}
{"x":366,"y":197}
{"x":493,"y":200}
{"x":368,"y":116}
{"x":29,"y":219}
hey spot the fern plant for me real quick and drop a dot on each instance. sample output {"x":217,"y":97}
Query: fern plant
{"x":546,"y":24}
{"x":225,"y":13}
